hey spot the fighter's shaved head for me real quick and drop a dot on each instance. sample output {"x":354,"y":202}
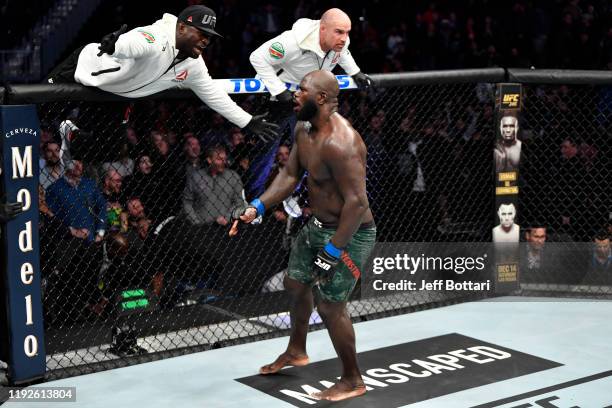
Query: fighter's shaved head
{"x":318,"y":93}
{"x":335,"y":15}
{"x":323,"y":81}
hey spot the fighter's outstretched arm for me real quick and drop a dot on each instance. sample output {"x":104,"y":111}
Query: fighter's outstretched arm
{"x":283,"y":185}
{"x":285,"y":182}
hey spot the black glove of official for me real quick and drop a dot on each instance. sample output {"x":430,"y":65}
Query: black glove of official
{"x":363,"y":81}
{"x":264,"y":130}
{"x":325,"y":266}
{"x":8,"y":211}
{"x":283,"y":105}
{"x":107,"y":45}
{"x":285,"y":97}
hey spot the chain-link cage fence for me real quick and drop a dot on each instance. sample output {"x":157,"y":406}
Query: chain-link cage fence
{"x":160,"y":178}
{"x":565,"y":195}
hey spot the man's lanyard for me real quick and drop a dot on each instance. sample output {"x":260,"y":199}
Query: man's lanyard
{"x":323,"y":61}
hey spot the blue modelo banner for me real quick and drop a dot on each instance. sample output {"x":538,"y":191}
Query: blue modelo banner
{"x":21,"y":269}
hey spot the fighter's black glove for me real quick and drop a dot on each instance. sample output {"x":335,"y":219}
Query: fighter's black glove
{"x":264,"y":130}
{"x":8,"y":211}
{"x":283,"y":105}
{"x":363,"y":81}
{"x":107,"y":45}
{"x":241,"y":210}
{"x":325,"y":263}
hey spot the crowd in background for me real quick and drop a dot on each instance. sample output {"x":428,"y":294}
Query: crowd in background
{"x":181,"y":168}
{"x":387,"y":36}
{"x":425,"y":35}
{"x":153,"y":211}
{"x":172,"y":175}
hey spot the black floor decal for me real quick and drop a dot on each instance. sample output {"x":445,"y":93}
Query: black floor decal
{"x":405,"y":373}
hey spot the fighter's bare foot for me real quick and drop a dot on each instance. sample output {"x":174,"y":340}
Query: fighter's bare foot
{"x":285,"y":359}
{"x":340,"y":391}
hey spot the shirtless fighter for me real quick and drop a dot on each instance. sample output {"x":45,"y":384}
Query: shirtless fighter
{"x":336,"y":242}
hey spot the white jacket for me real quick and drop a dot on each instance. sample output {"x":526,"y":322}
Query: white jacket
{"x":297,"y":52}
{"x":143,"y":57}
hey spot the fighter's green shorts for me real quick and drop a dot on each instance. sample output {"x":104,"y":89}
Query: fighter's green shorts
{"x":309,"y":242}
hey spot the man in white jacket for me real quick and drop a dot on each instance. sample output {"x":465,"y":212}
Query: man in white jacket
{"x":151,"y":59}
{"x":310,"y":45}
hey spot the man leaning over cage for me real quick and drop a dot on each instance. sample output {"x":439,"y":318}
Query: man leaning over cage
{"x":309,"y":45}
{"x":150,"y":59}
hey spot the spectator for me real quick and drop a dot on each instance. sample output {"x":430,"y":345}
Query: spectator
{"x":138,"y":223}
{"x":211,"y":193}
{"x":215,"y":133}
{"x":172,"y":138}
{"x":191,"y":150}
{"x":535,"y":262}
{"x":236,"y":138}
{"x":54,"y":168}
{"x":79,"y":205}
{"x":282,"y":156}
{"x":160,"y":146}
{"x":113,"y":194}
{"x":241,"y":160}
{"x":169,"y":174}
{"x":135,"y":210}
{"x":599,"y":270}
{"x":46,"y":136}
{"x":135,"y":144}
{"x":124,"y":166}
{"x":145,"y":186}
{"x":268,"y":18}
